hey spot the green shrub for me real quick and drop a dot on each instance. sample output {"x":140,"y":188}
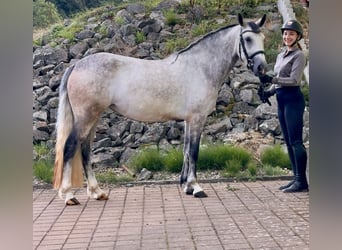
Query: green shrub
{"x":171,"y":18}
{"x":43,"y":163}
{"x":41,"y":151}
{"x":252,"y":169}
{"x":173,"y":160}
{"x":231,"y":160}
{"x":242,"y":155}
{"x":68,"y":32}
{"x":200,"y":29}
{"x":149,"y":158}
{"x":175,"y":44}
{"x":140,"y":37}
{"x":212,"y":157}
{"x":216,"y":156}
{"x":275,"y":157}
{"x":232,"y":167}
{"x":43,"y":170}
{"x":151,"y":4}
{"x":119,"y":20}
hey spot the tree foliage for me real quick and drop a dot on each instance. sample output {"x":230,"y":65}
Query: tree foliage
{"x":68,"y":7}
{"x":44,"y":14}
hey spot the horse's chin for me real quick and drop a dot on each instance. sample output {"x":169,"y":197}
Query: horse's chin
{"x":259,"y":69}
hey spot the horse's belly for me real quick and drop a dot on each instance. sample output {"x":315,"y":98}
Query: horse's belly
{"x":150,"y":113}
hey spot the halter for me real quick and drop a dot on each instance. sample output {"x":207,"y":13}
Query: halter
{"x":250,"y":62}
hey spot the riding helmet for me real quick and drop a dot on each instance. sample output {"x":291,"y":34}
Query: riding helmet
{"x":293,"y":25}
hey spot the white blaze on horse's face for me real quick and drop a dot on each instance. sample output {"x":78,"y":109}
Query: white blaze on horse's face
{"x":251,"y":46}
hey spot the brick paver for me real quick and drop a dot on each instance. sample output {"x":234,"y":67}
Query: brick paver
{"x":246,"y":215}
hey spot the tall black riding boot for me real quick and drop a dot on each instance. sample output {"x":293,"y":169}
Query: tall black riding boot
{"x":294,"y":168}
{"x":300,"y":184}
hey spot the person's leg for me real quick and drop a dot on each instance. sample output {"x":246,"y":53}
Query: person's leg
{"x":293,"y":114}
{"x":281,"y":99}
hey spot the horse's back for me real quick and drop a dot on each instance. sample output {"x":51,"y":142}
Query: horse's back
{"x":139,"y":89}
{"x":146,"y":90}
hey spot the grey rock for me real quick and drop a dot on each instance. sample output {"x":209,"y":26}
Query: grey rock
{"x":85,"y":34}
{"x":144,"y":175}
{"x":77,"y":50}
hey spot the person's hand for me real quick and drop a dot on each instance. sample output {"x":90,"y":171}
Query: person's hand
{"x":269,"y":92}
{"x":265,"y":94}
{"x":264,"y":78}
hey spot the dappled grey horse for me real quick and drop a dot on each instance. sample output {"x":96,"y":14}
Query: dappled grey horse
{"x":184,"y":86}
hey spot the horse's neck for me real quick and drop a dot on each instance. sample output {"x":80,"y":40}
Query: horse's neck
{"x":213,"y":56}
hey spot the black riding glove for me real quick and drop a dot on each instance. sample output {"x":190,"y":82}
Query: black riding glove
{"x":265,"y":94}
{"x":265,"y":78}
{"x":270,"y":92}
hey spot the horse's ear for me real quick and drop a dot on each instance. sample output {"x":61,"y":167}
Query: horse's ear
{"x":240,"y":18}
{"x":261,"y":21}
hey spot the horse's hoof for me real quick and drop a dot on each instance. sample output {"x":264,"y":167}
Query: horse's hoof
{"x":188,"y":190}
{"x":72,"y":202}
{"x":200,"y":194}
{"x":102,"y":197}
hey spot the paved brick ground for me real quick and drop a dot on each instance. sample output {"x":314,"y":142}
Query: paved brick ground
{"x":249,"y":215}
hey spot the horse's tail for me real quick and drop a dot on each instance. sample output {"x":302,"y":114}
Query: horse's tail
{"x":64,"y":126}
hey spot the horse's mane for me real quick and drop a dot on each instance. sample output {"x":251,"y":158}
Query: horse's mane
{"x":255,"y":28}
{"x":204,"y":37}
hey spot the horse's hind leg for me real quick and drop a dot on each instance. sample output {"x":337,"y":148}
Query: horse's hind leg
{"x":93,"y":189}
{"x":69,"y":152}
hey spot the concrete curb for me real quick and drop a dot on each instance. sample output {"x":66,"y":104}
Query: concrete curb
{"x":167,"y":182}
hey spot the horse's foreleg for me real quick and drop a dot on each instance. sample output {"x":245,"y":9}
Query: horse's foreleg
{"x":185,"y":167}
{"x":93,"y":189}
{"x":192,"y":183}
{"x":191,"y":157}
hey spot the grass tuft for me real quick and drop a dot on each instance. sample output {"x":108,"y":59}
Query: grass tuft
{"x":43,"y":170}
{"x":149,"y":158}
{"x":43,"y":163}
{"x":276,"y":157}
{"x":216,"y":156}
{"x":173,"y":161}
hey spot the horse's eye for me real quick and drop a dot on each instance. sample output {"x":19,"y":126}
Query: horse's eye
{"x":248,"y":39}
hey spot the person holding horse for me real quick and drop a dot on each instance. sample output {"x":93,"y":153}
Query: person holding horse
{"x":288,"y":69}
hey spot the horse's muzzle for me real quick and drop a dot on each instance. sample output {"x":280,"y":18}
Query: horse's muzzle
{"x":259,"y":67}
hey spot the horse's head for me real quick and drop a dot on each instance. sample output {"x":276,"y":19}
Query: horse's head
{"x":251,"y":46}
